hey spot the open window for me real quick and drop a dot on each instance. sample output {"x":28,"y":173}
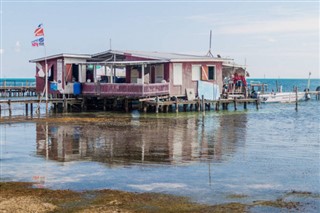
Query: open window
{"x":51,"y":73}
{"x":211,"y":73}
{"x":89,"y":73}
{"x":75,"y":72}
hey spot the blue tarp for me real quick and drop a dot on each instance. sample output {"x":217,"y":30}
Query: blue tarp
{"x":209,"y":90}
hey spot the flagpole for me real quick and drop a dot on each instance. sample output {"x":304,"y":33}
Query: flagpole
{"x":46,"y":84}
{"x":46,"y":71}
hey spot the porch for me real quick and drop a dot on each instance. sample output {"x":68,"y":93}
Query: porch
{"x":125,"y":89}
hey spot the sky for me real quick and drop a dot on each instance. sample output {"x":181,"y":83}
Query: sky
{"x":275,"y":39}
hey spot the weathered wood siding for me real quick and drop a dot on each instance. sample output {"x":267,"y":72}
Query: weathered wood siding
{"x":40,"y":81}
{"x":188,"y":83}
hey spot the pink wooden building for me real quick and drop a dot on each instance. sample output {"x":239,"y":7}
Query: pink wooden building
{"x":130,"y":74}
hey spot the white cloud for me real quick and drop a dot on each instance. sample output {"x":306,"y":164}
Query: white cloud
{"x":271,"y":40}
{"x":304,"y":24}
{"x":17,"y":47}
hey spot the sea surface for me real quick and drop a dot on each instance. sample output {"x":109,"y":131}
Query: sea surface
{"x":263,"y":154}
{"x":17,"y":81}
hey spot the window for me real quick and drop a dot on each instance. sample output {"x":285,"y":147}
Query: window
{"x":211,"y":73}
{"x":196,"y":72}
{"x":75,"y":72}
{"x":159,"y":76}
{"x":51,"y":73}
{"x":177,"y":74}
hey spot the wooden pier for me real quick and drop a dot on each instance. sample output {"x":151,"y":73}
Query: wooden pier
{"x":156,"y":104}
{"x":17,"y":91}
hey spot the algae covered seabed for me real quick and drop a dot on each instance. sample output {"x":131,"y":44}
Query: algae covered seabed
{"x":243,"y":161}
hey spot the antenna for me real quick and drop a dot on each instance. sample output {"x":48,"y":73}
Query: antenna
{"x":209,"y":52}
{"x":110,"y":43}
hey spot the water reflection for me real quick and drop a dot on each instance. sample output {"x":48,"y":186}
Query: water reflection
{"x":144,"y":140}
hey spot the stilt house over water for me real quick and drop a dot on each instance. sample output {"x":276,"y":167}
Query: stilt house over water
{"x":134,"y":74}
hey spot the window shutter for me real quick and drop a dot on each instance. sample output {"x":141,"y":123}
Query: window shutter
{"x":204,"y":73}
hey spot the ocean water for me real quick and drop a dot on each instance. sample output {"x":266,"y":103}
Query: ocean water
{"x":17,"y":81}
{"x":263,"y":154}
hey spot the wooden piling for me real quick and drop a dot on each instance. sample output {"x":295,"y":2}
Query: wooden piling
{"x":104,"y":104}
{"x":157,"y":104}
{"x":145,"y":107}
{"x":9,"y":106}
{"x":177,"y":105}
{"x":185,"y":107}
{"x":296,"y":91}
{"x":115,"y":103}
{"x":126,"y":105}
{"x":65,"y":105}
{"x":191,"y":107}
{"x":27,"y":109}
{"x":202,"y":104}
{"x":217,"y":105}
{"x":31,"y":109}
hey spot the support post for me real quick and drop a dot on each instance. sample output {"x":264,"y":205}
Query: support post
{"x":145,"y":107}
{"x":31,"y":109}
{"x":203,"y":108}
{"x":296,"y":90}
{"x":142,"y":73}
{"x":157,"y":104}
{"x":9,"y":106}
{"x":27,"y":108}
{"x":126,"y":104}
{"x":177,"y":105}
{"x":185,"y":107}
{"x":104,"y":104}
{"x":115,"y":102}
{"x":65,"y":105}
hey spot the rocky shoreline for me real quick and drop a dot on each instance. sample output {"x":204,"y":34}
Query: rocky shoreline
{"x":22,"y":197}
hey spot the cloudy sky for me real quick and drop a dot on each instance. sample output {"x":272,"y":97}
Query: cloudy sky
{"x":275,"y":40}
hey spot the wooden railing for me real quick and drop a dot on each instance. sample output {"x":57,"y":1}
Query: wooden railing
{"x":123,"y":89}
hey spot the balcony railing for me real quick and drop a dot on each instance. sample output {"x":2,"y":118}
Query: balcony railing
{"x":123,"y":89}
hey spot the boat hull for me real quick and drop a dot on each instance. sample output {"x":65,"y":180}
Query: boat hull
{"x":283,"y":97}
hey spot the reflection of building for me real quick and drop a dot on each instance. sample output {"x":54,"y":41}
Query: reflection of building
{"x":149,"y":141}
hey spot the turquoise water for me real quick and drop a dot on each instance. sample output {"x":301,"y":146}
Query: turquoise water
{"x":263,"y":154}
{"x":17,"y":81}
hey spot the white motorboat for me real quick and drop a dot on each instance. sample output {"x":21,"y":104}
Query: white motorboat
{"x":281,"y":97}
{"x":258,"y":90}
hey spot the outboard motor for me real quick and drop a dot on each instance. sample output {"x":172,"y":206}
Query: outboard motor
{"x":307,"y":96}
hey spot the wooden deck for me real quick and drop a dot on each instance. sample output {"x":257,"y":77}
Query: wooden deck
{"x":125,"y":90}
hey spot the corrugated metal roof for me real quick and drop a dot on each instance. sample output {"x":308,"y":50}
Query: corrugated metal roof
{"x":160,"y":56}
{"x":62,"y":55}
{"x":163,"y":55}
